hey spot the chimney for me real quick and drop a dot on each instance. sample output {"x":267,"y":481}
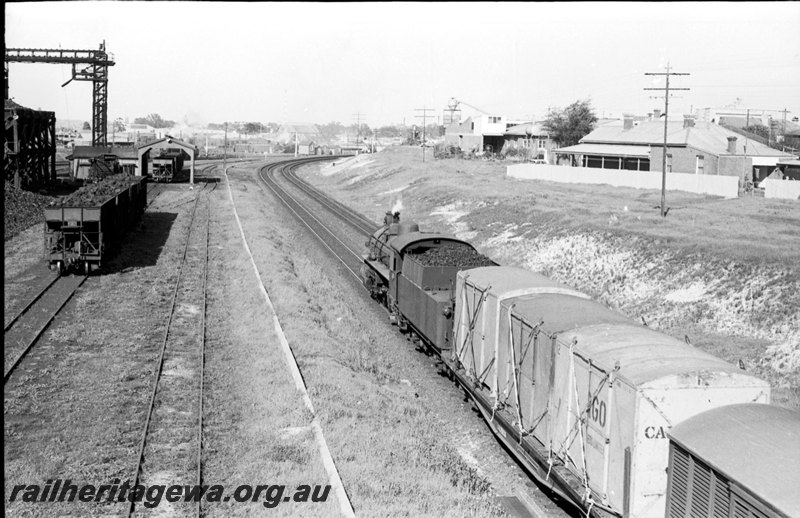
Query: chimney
{"x":627,"y":121}
{"x":732,"y":145}
{"x":688,"y":121}
{"x":656,"y":114}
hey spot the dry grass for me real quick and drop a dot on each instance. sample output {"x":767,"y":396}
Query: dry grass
{"x":388,"y":442}
{"x":257,"y":428}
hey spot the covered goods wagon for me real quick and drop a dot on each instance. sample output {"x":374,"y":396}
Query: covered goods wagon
{"x":585,"y":394}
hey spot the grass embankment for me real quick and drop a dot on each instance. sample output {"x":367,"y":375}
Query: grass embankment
{"x":722,"y":272}
{"x":377,"y":405}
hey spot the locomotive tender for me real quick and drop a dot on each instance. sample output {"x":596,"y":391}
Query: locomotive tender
{"x":583,"y":396}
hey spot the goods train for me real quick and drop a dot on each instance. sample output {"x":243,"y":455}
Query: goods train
{"x":583,"y":396}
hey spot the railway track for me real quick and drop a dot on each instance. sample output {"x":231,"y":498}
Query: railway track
{"x":170,"y":450}
{"x":348,"y":255}
{"x":519,"y":500}
{"x":356,"y":220}
{"x":25,"y":328}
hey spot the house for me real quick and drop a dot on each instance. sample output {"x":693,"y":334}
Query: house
{"x":532,"y":137}
{"x":692,"y":147}
{"x":480,"y":133}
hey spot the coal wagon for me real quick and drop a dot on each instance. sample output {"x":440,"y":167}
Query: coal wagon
{"x":86,"y":226}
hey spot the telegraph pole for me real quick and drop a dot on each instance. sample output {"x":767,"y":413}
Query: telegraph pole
{"x":225,"y":148}
{"x":424,"y":117}
{"x":358,"y":127}
{"x":666,"y":118}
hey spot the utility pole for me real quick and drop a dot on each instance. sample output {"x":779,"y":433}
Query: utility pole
{"x":225,"y":149}
{"x":358,"y":127}
{"x":666,"y":118}
{"x":424,"y":117}
{"x":783,"y":130}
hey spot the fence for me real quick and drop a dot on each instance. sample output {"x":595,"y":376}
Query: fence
{"x":726,"y":186}
{"x":785,"y":189}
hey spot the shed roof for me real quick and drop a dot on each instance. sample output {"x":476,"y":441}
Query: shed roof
{"x":96,"y":151}
{"x":705,"y":136}
{"x":637,"y":151}
{"x":169,"y":141}
{"x":755,"y":445}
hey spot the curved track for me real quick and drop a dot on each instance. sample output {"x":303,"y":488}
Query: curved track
{"x":171,"y":444}
{"x":521,"y":503}
{"x":348,"y":256}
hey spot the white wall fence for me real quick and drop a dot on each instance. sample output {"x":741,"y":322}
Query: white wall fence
{"x":727,"y":186}
{"x":785,"y":189}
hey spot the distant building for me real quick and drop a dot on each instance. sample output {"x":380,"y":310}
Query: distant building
{"x":480,"y":133}
{"x":532,"y":137}
{"x":692,"y":147}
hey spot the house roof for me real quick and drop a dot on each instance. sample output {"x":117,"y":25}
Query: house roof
{"x":527,"y":129}
{"x":705,"y":136}
{"x":638,"y":151}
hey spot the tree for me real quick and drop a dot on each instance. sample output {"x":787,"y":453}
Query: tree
{"x":568,"y":126}
{"x":118,"y":125}
{"x":154,"y":120}
{"x":250,"y":128}
{"x":331,"y":130}
{"x":86,"y":125}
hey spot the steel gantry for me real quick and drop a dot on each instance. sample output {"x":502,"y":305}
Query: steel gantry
{"x":96,"y":72}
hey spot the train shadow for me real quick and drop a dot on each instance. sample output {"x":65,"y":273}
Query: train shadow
{"x":143,"y":244}
{"x":183,"y":177}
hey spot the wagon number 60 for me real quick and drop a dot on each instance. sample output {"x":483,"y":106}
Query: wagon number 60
{"x":598,"y":411}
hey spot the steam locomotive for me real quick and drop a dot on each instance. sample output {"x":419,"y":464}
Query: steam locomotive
{"x":585,"y":398}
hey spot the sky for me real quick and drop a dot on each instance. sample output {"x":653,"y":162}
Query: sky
{"x":382,"y":63}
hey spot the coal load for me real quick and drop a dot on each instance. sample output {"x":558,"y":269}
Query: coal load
{"x":96,"y":194}
{"x":453,"y":255}
{"x":23,"y":209}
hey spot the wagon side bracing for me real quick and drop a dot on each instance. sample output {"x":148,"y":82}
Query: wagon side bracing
{"x":82,"y":233}
{"x":583,"y":395}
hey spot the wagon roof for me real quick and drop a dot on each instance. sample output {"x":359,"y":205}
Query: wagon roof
{"x":399,"y":243}
{"x":608,"y":337}
{"x":755,"y":445}
{"x":645,"y":355}
{"x":560,"y":312}
{"x":507,"y":280}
